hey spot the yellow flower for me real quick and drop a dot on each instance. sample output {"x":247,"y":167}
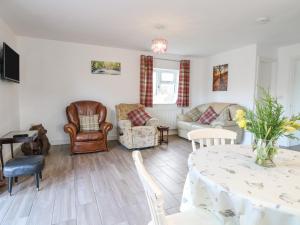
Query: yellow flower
{"x":240,"y":114}
{"x":242,"y":123}
{"x":296,"y":125}
{"x":289,"y":129}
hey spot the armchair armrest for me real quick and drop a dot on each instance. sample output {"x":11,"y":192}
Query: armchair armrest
{"x":106,"y":127}
{"x":71,"y":129}
{"x":122,"y":124}
{"x":154,"y":122}
{"x":184,"y":117}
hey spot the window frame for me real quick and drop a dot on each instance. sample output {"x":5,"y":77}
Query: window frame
{"x":159,"y":81}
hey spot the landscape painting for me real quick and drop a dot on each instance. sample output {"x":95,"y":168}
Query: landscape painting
{"x":220,"y":77}
{"x":103,"y":67}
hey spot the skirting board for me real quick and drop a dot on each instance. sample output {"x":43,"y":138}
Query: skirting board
{"x":110,"y":138}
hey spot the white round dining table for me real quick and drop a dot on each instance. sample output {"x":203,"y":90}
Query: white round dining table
{"x":226,"y":181}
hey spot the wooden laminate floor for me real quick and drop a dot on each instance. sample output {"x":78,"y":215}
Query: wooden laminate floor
{"x":99,"y":189}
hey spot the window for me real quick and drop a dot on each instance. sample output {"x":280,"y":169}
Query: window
{"x":165,"y":86}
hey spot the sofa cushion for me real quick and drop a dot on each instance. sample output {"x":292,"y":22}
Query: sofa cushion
{"x":194,"y":114}
{"x":184,"y":125}
{"x":89,"y":123}
{"x":89,"y":136}
{"x":138,"y":117}
{"x":196,"y":125}
{"x":191,"y":125}
{"x":208,"y":116}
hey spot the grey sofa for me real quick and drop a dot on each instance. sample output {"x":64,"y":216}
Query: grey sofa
{"x":226,"y":112}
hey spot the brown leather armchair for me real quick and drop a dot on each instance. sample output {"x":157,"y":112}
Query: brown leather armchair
{"x":87,"y":141}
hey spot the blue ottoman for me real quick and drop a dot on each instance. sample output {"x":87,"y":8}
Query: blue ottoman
{"x":24,"y":166}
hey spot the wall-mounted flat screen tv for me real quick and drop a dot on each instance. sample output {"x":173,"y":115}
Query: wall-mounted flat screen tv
{"x":10,"y":64}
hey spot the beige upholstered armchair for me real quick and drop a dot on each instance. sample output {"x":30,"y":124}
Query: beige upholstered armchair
{"x":133,"y":137}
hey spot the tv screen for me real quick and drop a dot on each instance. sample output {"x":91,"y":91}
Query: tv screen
{"x":10,"y":64}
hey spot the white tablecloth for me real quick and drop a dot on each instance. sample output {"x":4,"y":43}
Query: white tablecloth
{"x":226,"y":181}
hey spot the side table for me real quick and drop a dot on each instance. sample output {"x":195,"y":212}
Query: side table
{"x":162,"y":138}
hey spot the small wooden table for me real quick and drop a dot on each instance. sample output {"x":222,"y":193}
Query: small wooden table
{"x":161,"y":130}
{"x":10,"y":139}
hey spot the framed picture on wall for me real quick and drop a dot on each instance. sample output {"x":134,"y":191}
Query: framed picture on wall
{"x":105,"y":68}
{"x":220,"y":77}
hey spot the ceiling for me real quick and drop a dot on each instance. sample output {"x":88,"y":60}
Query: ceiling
{"x":192,"y":27}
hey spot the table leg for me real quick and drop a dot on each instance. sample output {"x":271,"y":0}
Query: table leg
{"x":1,"y":157}
{"x":168,"y":136}
{"x":12,"y":149}
{"x":161,"y":137}
{"x":2,"y":181}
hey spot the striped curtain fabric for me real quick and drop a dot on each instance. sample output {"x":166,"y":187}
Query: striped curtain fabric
{"x":183,"y":99}
{"x":146,"y":81}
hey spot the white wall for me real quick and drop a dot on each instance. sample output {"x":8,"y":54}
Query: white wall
{"x":56,"y":73}
{"x":241,"y":78}
{"x":9,"y":92}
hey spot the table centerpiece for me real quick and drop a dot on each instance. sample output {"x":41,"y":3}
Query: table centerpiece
{"x":267,"y":123}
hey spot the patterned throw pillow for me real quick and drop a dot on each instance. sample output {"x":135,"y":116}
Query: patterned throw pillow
{"x":208,"y":116}
{"x":138,"y":117}
{"x":89,"y":123}
{"x":224,"y":116}
{"x":194,"y":114}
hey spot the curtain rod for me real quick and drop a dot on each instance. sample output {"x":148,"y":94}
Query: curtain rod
{"x":173,"y":60}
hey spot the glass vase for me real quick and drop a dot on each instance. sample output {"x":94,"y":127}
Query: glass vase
{"x":265,"y":152}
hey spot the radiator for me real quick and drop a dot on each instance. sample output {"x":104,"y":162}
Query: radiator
{"x":166,"y":114}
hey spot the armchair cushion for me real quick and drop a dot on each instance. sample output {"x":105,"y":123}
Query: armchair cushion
{"x":89,"y":123}
{"x":138,"y":117}
{"x":89,"y":136}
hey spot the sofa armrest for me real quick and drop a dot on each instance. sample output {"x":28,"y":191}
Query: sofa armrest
{"x":106,"y":127}
{"x":223,"y":123}
{"x":71,"y":129}
{"x":154,"y":122}
{"x":184,"y":117}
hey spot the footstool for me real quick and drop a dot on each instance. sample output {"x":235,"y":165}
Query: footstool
{"x":24,"y":166}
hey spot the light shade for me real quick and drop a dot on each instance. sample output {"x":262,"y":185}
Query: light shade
{"x":159,"y":45}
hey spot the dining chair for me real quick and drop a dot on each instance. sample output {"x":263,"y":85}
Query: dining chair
{"x":211,"y":136}
{"x":156,"y":202}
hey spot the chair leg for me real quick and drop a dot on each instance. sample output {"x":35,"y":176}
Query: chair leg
{"x":41,"y":176}
{"x":10,"y":183}
{"x":37,"y":181}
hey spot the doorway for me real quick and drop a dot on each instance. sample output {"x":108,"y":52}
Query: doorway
{"x":266,"y":77}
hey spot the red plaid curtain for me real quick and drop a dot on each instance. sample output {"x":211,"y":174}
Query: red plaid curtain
{"x":146,"y":82}
{"x":183,"y":99}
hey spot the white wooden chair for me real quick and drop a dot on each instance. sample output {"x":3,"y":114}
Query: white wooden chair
{"x":211,"y":136}
{"x":156,"y":203}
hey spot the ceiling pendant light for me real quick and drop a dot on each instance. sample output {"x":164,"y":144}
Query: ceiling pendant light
{"x":159,"y":45}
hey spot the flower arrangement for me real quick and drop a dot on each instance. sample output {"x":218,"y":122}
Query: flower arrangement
{"x":267,"y":123}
